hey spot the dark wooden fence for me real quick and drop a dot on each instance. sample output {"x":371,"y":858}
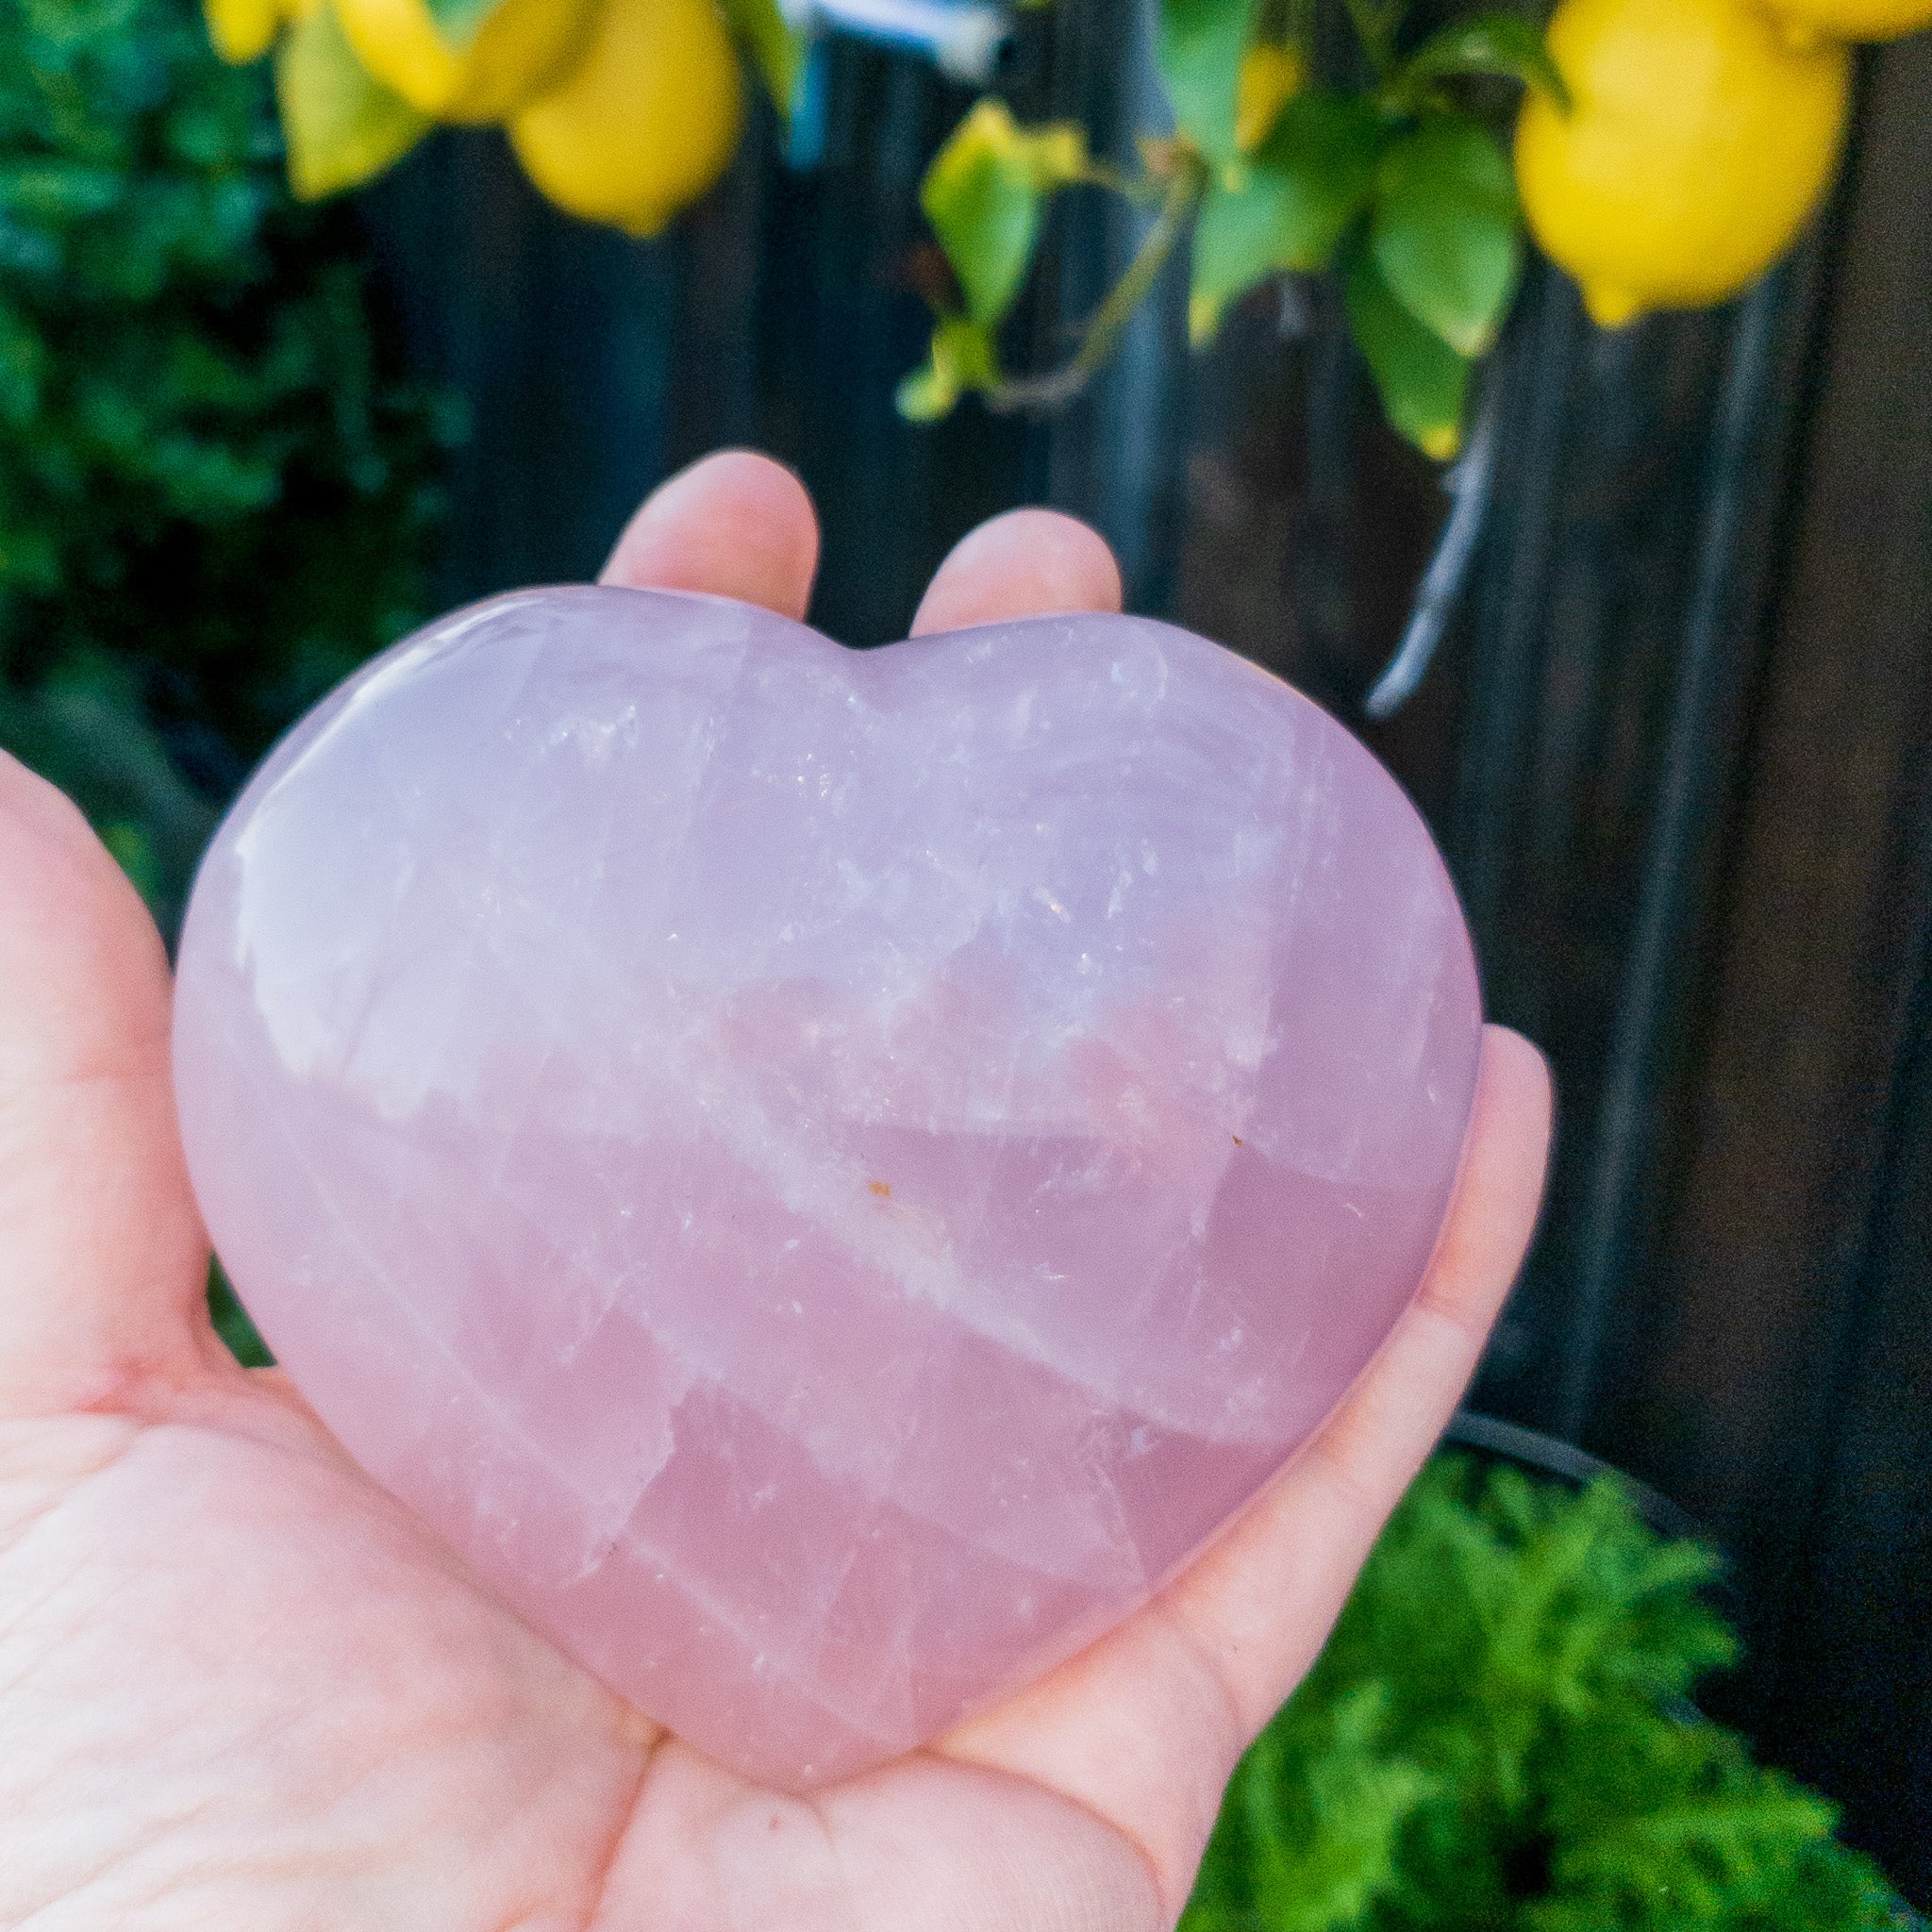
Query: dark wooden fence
{"x":1679,"y":745}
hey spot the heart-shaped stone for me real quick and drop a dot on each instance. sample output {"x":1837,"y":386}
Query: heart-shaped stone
{"x":825,"y":1176}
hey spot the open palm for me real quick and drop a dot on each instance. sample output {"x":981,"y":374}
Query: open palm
{"x":241,"y":1689}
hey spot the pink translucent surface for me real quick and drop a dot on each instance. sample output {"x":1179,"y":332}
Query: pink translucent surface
{"x":826,"y":1176}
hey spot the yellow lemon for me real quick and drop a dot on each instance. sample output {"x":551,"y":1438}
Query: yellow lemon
{"x":1807,"y":21}
{"x":1271,"y":75}
{"x":477,"y":62}
{"x":644,"y":122}
{"x":1698,"y":141}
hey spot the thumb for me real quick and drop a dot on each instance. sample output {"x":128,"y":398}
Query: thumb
{"x":102,"y":1258}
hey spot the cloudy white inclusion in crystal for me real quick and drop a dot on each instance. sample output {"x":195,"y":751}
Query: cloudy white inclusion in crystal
{"x":825,"y":1175}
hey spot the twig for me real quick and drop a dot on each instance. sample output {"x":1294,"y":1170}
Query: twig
{"x":1058,"y":387}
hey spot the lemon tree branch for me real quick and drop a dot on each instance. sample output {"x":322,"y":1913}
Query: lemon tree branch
{"x":1058,"y":387}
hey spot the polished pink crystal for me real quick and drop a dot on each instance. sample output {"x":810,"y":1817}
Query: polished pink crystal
{"x":825,"y":1175}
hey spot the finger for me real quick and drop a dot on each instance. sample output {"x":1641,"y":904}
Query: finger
{"x":1027,"y":563}
{"x":735,"y":523}
{"x":1353,"y":1473}
{"x":1144,"y":1726}
{"x":102,"y":1256}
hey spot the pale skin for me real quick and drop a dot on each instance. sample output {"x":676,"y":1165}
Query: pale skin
{"x":241,"y":1691}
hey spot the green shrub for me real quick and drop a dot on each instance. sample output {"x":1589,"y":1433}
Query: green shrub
{"x":214,"y":493}
{"x":1499,"y":1735}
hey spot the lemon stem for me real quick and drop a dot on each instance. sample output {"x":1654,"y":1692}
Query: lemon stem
{"x":1132,"y":188}
{"x":1059,"y":386}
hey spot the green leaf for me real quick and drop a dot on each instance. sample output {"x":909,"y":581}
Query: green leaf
{"x":983,"y":194}
{"x":963,"y":359}
{"x":1201,"y":44}
{"x":57,"y":193}
{"x":1494,"y":43}
{"x":128,"y":846}
{"x":342,"y":125}
{"x":24,"y":356}
{"x":1272,"y":72}
{"x":1288,"y":206}
{"x":1235,"y":246}
{"x":1423,"y":382}
{"x":1346,"y":1806}
{"x":1445,"y":232}
{"x":776,"y":46}
{"x":232,"y":1323}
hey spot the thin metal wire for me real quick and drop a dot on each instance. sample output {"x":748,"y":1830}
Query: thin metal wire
{"x":1470,"y":484}
{"x":1471,"y":1429}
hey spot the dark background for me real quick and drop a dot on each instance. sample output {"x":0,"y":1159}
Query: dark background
{"x":1676,"y":747}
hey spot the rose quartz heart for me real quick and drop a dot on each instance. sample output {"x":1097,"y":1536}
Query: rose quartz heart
{"x":825,"y":1176}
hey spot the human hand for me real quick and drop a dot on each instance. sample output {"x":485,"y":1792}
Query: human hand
{"x":241,"y":1690}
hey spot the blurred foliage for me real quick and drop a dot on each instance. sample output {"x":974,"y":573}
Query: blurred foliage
{"x":1499,"y":1735}
{"x":622,"y":111}
{"x":1396,"y":179}
{"x":1665,"y":153}
{"x":215,"y":494}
